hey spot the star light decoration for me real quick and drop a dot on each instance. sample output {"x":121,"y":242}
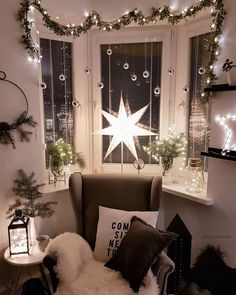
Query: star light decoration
{"x":124,"y":128}
{"x":224,"y":122}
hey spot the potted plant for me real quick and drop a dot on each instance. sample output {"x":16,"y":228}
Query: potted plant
{"x":227,"y":67}
{"x":60,"y":153}
{"x":27,"y":201}
{"x":167,"y":149}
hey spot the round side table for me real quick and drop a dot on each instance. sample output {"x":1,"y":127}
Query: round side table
{"x":20,"y":261}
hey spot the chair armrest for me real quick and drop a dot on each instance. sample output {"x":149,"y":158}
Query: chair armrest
{"x":50,"y":261}
{"x":162,"y":268}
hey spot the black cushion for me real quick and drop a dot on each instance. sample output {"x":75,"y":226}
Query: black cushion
{"x":138,"y":250}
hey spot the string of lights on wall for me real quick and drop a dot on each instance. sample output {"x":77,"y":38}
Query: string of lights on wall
{"x":167,"y":13}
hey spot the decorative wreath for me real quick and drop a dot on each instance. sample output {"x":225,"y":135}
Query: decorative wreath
{"x":6,"y":129}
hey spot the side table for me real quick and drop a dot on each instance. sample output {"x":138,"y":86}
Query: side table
{"x":35,"y":258}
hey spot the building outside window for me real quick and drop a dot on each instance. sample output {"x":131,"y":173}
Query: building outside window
{"x":56,"y":68}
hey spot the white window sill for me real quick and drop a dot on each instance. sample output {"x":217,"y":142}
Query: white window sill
{"x":172,"y":188}
{"x":179,"y":190}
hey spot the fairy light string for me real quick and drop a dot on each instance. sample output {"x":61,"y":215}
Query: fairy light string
{"x":134,"y":16}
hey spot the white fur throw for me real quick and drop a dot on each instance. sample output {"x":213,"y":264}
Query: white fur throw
{"x":80,"y":273}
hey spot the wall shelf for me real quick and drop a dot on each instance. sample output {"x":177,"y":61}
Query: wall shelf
{"x":217,"y":153}
{"x":220,"y":87}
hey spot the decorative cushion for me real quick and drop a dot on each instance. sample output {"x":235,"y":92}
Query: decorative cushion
{"x":113,"y":224}
{"x":138,"y":251}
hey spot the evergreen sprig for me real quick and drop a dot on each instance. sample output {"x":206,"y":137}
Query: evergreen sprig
{"x":167,"y":149}
{"x":27,"y":190}
{"x":61,"y":153}
{"x":6,"y":129}
{"x":95,"y":20}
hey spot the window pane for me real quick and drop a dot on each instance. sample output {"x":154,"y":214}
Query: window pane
{"x":117,"y":71}
{"x":199,"y":114}
{"x":57,"y":96}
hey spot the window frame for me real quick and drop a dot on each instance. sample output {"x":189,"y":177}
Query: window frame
{"x":130,"y":35}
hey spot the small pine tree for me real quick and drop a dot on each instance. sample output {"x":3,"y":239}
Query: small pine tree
{"x":27,"y":190}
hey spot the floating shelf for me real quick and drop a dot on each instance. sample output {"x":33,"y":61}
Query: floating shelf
{"x":220,"y":87}
{"x":217,"y":153}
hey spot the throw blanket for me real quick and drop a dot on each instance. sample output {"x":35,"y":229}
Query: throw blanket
{"x":80,"y":273}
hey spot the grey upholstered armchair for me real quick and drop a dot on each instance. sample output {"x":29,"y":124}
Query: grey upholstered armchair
{"x":118,"y":191}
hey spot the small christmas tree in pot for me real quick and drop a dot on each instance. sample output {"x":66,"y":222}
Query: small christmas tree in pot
{"x":167,"y":149}
{"x":27,"y":190}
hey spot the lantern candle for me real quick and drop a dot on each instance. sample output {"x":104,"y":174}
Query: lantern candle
{"x":18,"y":233}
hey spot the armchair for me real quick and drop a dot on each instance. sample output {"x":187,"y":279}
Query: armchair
{"x":124,"y":192}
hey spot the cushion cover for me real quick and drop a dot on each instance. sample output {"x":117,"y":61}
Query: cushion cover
{"x":112,"y":227}
{"x":138,"y":250}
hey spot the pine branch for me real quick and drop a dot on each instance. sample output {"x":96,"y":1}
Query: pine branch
{"x":27,"y":190}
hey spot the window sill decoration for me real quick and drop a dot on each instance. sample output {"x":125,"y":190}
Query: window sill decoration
{"x":167,"y":149}
{"x":6,"y":129}
{"x":60,"y":154}
{"x":134,"y":16}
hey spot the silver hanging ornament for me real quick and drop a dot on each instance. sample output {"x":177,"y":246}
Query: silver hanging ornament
{"x":62,"y":77}
{"x":157,"y":91}
{"x":133,"y":77}
{"x":87,"y":71}
{"x":186,"y":89}
{"x":75,"y":103}
{"x":201,"y":71}
{"x":43,"y":85}
{"x":100,"y":85}
{"x":171,"y":71}
{"x":109,"y":51}
{"x":146,"y":74}
{"x":126,"y":66}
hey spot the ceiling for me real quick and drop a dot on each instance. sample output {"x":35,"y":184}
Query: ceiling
{"x":73,"y":11}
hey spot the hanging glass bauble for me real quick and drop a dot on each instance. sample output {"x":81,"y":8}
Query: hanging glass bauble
{"x":157,"y":90}
{"x":109,"y":51}
{"x":133,"y":77}
{"x":201,"y":71}
{"x":100,"y":85}
{"x":186,"y":89}
{"x":171,"y":71}
{"x":62,"y":77}
{"x":146,"y":74}
{"x":87,"y":71}
{"x":43,"y":85}
{"x":138,"y":83}
{"x":126,"y":66}
{"x":75,"y":103}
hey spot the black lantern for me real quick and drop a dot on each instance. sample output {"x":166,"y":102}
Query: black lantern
{"x":18,"y":234}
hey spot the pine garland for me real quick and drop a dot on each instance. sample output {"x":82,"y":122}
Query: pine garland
{"x":6,"y":129}
{"x":135,"y":16}
{"x":28,"y":192}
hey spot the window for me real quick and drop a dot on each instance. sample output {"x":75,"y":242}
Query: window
{"x":57,"y":90}
{"x":131,"y":71}
{"x":199,"y":113}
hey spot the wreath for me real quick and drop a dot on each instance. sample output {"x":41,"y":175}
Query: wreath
{"x":7,"y":130}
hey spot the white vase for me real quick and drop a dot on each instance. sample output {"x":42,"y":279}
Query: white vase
{"x":231,"y":76}
{"x":33,"y":231}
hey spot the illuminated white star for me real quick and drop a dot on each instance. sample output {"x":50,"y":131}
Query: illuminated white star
{"x":230,"y":142}
{"x":123,"y":128}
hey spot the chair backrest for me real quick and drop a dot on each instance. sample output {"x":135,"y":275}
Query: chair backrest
{"x":118,"y":191}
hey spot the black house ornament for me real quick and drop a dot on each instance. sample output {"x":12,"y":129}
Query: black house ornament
{"x":180,"y":252}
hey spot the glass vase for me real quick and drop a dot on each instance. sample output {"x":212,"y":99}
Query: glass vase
{"x":194,"y":179}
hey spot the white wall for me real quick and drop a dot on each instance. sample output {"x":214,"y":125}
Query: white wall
{"x":214,"y":224}
{"x":207,"y":224}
